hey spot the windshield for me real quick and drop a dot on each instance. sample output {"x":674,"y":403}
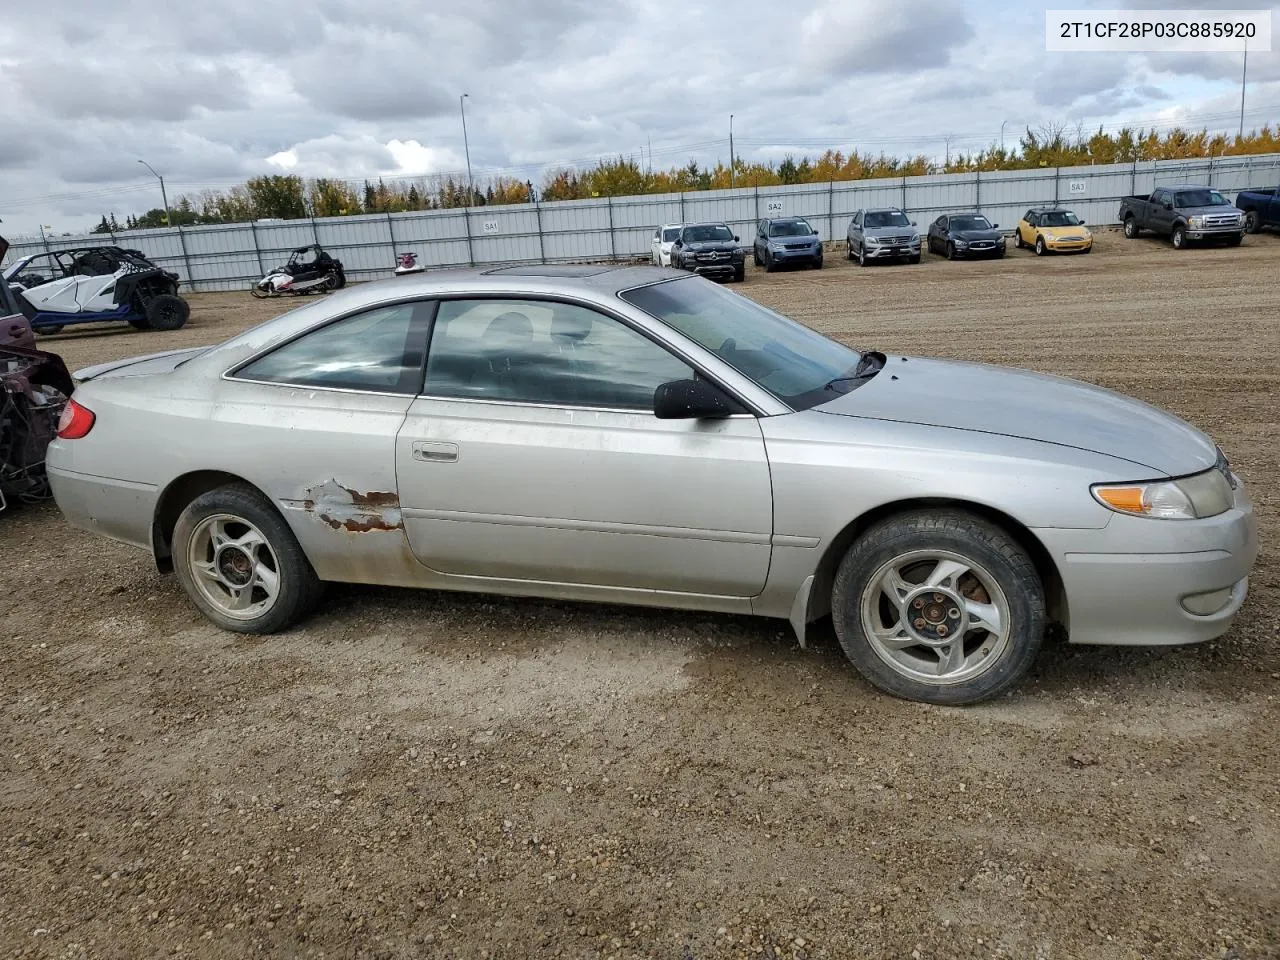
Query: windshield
{"x":670,"y":234}
{"x":795,"y":364}
{"x":708,"y":231}
{"x":790,"y":228}
{"x":1059,"y":218}
{"x":886,"y":218}
{"x":970,"y":223}
{"x":1199,"y":198}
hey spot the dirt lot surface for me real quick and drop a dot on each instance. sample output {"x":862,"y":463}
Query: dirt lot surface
{"x":415,"y":774}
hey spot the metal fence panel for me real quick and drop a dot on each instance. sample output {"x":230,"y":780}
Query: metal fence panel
{"x":233,"y":256}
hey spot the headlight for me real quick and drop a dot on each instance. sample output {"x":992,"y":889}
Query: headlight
{"x":1191,"y":498}
{"x":1197,"y":222}
{"x":961,"y":243}
{"x":873,"y":241}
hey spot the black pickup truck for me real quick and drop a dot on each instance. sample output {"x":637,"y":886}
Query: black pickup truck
{"x":1183,"y":213}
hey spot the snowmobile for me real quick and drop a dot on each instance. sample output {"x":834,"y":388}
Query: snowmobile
{"x":407,"y":263}
{"x":320,"y":274}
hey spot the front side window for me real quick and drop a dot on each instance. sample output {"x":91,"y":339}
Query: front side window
{"x":707,"y":232}
{"x":790,"y":228}
{"x":542,"y":351}
{"x":795,"y":364}
{"x":670,"y":235}
{"x":970,"y":223}
{"x":378,"y":351}
{"x":887,"y":218}
{"x":1199,"y":198}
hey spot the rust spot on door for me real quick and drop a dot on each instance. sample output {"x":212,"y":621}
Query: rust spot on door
{"x":344,"y":508}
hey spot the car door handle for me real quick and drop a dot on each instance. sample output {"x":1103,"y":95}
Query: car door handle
{"x":435,"y":451}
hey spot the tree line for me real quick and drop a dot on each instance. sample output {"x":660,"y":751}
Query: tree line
{"x":288,"y":197}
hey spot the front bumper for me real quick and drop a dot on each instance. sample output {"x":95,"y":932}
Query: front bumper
{"x":792,"y":256}
{"x":1065,"y":246}
{"x":985,"y":248}
{"x":717,"y":268}
{"x":1127,"y":583}
{"x":1211,"y":233}
{"x":119,"y":509}
{"x":892,"y":252}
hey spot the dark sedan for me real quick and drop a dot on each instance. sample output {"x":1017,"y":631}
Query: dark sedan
{"x":710,"y":249}
{"x":959,"y":235}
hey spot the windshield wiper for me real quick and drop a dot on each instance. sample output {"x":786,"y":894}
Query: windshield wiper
{"x":867,"y":367}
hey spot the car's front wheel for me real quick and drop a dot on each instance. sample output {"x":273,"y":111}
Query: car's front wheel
{"x":1251,"y":221}
{"x":240,"y":563}
{"x":1040,"y":248}
{"x":1179,"y":237}
{"x":167,"y":311}
{"x":939,"y":606}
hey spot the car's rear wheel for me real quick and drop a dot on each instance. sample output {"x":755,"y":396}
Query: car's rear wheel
{"x":167,"y":311}
{"x":1017,"y":239}
{"x":939,"y":606}
{"x":1130,"y":227}
{"x":240,"y":563}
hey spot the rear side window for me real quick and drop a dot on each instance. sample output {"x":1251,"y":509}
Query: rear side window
{"x":378,"y":351}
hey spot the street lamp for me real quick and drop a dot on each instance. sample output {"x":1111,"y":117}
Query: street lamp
{"x":731,"y":151}
{"x":1002,"y":123}
{"x":462,"y":108}
{"x":168,"y":221}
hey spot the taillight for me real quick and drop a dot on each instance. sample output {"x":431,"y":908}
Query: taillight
{"x":75,"y":422}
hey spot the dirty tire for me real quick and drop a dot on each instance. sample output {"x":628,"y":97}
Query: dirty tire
{"x":1178,"y":238}
{"x":959,"y":533}
{"x":167,"y":311}
{"x":1251,"y":221}
{"x":298,"y":591}
{"x":1130,"y":228}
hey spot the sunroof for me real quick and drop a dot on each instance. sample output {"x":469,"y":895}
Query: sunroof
{"x":553,"y":270}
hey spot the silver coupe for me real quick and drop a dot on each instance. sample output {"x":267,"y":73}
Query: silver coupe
{"x":635,"y":435}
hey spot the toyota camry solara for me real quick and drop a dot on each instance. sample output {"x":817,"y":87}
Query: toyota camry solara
{"x":633,"y":435}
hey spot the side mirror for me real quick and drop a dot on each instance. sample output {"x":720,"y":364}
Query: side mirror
{"x":1082,"y":222}
{"x":815,"y":233}
{"x":689,"y":400}
{"x":995,"y":226}
{"x":1168,"y":204}
{"x":735,"y":238}
{"x":677,"y":243}
{"x":914,"y":224}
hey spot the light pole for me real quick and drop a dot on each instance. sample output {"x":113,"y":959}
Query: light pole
{"x":731,"y":151}
{"x":1243,"y":74}
{"x":168,"y":221}
{"x":1002,"y":123}
{"x":462,"y":108}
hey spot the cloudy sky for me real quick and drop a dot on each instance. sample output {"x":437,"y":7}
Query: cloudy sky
{"x":212,"y":91}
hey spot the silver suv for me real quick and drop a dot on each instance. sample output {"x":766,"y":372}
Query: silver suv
{"x":882,"y":233}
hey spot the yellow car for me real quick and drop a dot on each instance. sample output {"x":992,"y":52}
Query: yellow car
{"x":1046,"y":229}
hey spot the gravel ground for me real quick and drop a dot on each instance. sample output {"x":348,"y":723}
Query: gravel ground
{"x":416,"y":774}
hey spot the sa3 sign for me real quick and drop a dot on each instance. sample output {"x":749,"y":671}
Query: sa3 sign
{"x":1077,"y":187}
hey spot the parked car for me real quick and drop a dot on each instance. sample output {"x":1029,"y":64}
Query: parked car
{"x":958,"y":235}
{"x":1183,"y":214}
{"x":1052,"y":229}
{"x":94,"y":285}
{"x":884,"y":233}
{"x":676,"y":445}
{"x":1261,"y":208}
{"x":710,"y":249}
{"x":787,"y":240}
{"x":663,"y":238}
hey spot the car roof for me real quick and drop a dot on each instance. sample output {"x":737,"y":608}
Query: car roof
{"x":1048,"y":210}
{"x":1184,"y":186}
{"x":786,"y":219}
{"x":705,"y":223}
{"x":883,"y":210}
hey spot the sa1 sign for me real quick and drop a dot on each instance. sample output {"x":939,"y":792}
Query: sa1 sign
{"x":491,"y":226}
{"x":1077,"y":187}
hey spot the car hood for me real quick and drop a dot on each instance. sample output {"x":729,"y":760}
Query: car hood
{"x":976,"y":235}
{"x":878,"y":232}
{"x":1033,"y":406}
{"x":1207,"y":211}
{"x":1065,"y":233}
{"x":707,"y":246}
